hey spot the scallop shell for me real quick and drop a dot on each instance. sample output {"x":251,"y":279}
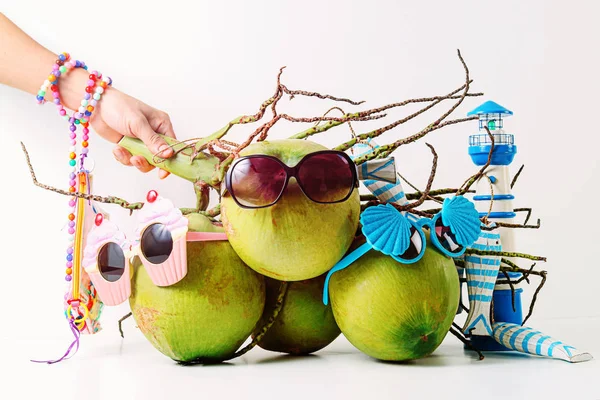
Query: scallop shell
{"x":460,"y":215}
{"x":386,"y":229}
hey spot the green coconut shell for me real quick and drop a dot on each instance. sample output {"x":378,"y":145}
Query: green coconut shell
{"x":295,"y":239}
{"x":210,"y":312}
{"x":393,"y":311}
{"x":304,"y":324}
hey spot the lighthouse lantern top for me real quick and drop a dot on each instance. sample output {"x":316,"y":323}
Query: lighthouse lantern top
{"x":480,"y":144}
{"x":490,"y":115}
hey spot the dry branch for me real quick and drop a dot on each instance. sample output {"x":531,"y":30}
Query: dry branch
{"x":107,"y":200}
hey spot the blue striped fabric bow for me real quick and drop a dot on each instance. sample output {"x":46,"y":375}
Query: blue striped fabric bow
{"x":383,"y":170}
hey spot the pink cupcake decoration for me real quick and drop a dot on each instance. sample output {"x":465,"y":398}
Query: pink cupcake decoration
{"x":106,"y":260}
{"x":160,"y":240}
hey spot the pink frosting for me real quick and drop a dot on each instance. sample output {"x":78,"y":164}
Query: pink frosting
{"x":160,"y":211}
{"x":108,"y":231}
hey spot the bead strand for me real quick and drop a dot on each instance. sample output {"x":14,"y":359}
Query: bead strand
{"x":57,"y":70}
{"x":93,"y":91}
{"x":95,"y":87}
{"x":62,"y":66}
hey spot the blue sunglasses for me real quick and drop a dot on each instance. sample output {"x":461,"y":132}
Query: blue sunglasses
{"x":401,"y":236}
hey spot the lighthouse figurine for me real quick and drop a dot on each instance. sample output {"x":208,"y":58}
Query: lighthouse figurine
{"x":491,"y":116}
{"x":493,"y":198}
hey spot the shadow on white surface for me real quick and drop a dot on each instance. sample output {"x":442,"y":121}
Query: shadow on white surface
{"x":108,"y":367}
{"x":288,"y":358}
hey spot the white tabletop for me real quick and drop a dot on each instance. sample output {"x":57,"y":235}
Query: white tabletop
{"x":108,"y":367}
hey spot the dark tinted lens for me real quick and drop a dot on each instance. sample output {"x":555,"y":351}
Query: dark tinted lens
{"x":111,"y":262}
{"x":446,"y":237}
{"x":326,"y":178}
{"x":416,"y":245}
{"x":257,"y":181}
{"x":156,"y":243}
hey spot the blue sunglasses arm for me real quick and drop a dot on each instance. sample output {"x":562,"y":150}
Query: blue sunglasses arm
{"x":342,"y":264}
{"x":421,"y":222}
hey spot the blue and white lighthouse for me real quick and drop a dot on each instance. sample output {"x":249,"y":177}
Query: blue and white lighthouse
{"x":497,"y":184}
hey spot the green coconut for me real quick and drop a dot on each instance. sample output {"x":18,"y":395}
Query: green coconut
{"x":296,"y":238}
{"x":210,"y":312}
{"x":304,"y":324}
{"x":393,"y":311}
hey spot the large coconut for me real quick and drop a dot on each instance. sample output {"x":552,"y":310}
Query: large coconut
{"x":304,"y":324}
{"x":393,"y":311}
{"x":209,"y":313}
{"x":296,"y":238}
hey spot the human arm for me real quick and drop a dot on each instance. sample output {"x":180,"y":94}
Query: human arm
{"x":24,"y":64}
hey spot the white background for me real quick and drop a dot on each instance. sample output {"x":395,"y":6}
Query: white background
{"x":207,"y":62}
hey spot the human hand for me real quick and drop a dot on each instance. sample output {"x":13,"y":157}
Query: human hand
{"x":119,"y":114}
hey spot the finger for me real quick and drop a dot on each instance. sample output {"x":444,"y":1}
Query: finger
{"x":140,"y":128}
{"x":141,"y":164}
{"x":161,"y":123}
{"x":122,"y":155}
{"x":162,"y":174}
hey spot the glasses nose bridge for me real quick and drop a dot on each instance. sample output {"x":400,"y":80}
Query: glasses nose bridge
{"x":292,"y":172}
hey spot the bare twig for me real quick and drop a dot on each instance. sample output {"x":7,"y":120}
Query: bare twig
{"x":508,"y":225}
{"x":432,"y":211}
{"x":293,"y":93}
{"x":455,"y":330}
{"x":434,"y":194}
{"x":279,"y":94}
{"x":510,"y":263}
{"x":399,"y":207}
{"x":319,"y":128}
{"x":213,"y":212}
{"x":202,"y":190}
{"x":386,"y":150}
{"x":467,"y":185}
{"x":425,"y":194}
{"x":343,"y":119}
{"x":123,"y":318}
{"x":504,"y":254}
{"x":484,"y":219}
{"x":528,"y":211}
{"x":458,"y":262}
{"x":414,"y":187}
{"x":464,"y":94}
{"x":524,"y":276}
{"x":416,"y":212}
{"x":512,"y":267}
{"x":461,"y":305}
{"x":543,"y":274}
{"x":514,"y":180}
{"x":322,"y":128}
{"x":435,"y":100}
{"x":418,"y":193}
{"x":244,"y":119}
{"x":107,"y":200}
